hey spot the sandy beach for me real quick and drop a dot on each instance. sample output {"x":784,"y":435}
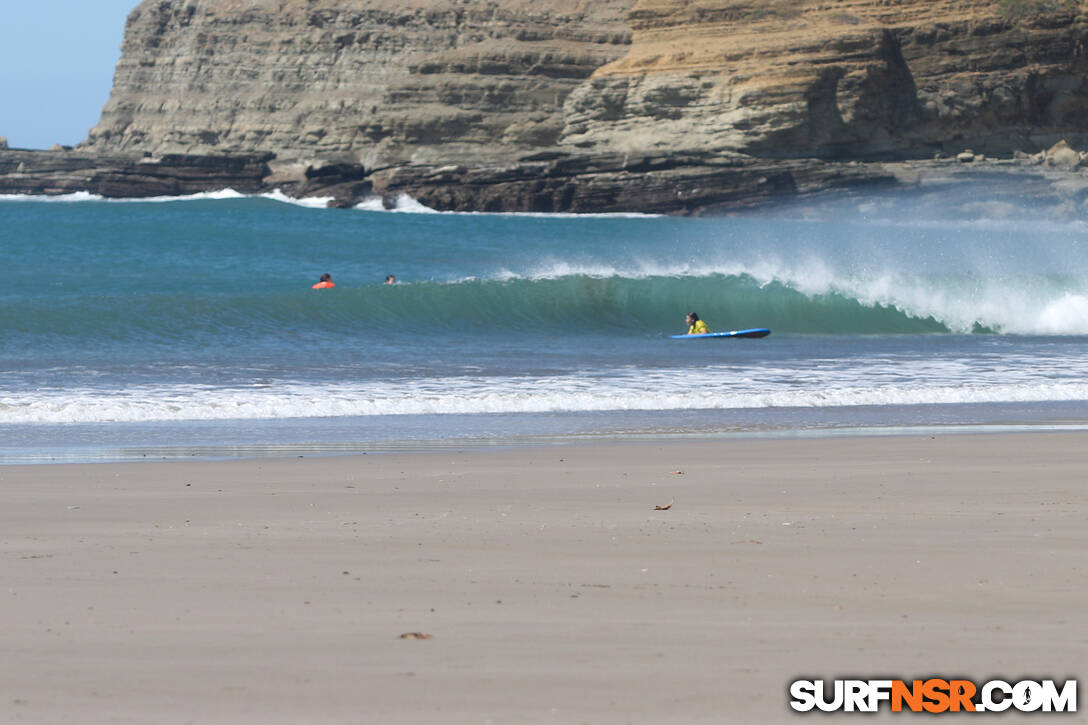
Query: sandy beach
{"x":276,"y":591}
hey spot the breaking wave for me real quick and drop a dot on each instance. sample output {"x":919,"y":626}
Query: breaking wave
{"x":580,"y":302}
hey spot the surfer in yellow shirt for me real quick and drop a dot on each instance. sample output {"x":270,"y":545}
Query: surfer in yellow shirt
{"x":695,"y":325}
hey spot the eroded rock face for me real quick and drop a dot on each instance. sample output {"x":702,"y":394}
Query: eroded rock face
{"x":376,"y":81}
{"x":681,"y":106}
{"x":851,"y":78}
{"x":64,"y":172}
{"x":381,"y":82}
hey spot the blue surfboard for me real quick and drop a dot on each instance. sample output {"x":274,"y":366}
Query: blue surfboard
{"x":753,"y":332}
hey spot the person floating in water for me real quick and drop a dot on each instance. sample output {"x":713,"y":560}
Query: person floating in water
{"x":325,"y":282}
{"x":695,"y":325}
{"x":390,"y":279}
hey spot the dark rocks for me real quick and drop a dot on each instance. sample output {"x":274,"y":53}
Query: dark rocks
{"x":585,"y":184}
{"x":65,"y":172}
{"x":685,"y":184}
{"x":681,"y":184}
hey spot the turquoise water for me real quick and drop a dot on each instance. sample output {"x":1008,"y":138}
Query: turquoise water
{"x":189,"y":325}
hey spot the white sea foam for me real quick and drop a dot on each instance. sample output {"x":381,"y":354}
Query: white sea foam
{"x":833,"y":384}
{"x":371,"y":203}
{"x":99,"y":408}
{"x":80,"y":196}
{"x":1027,"y":304}
{"x":402,"y":204}
{"x":312,"y":202}
{"x":73,"y":197}
{"x":1067,"y":314}
{"x":405,"y":203}
{"x":1022,"y":307}
{"x":199,"y":196}
{"x":309,"y":202}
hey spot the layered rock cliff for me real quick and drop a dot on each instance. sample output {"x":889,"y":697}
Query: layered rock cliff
{"x":848,"y":78}
{"x":377,"y":81}
{"x":453,"y":80}
{"x":593,"y":105}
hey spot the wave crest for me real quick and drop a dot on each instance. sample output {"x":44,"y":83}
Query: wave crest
{"x":556,"y":301}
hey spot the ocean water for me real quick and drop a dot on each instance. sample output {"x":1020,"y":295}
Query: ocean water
{"x":187,"y":327}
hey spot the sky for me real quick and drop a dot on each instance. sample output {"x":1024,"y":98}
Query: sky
{"x":56,"y":67}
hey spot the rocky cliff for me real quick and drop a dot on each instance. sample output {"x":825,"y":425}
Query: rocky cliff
{"x":375,"y":81}
{"x":667,"y":105}
{"x":452,"y":80}
{"x":119,"y":176}
{"x":841,"y":78}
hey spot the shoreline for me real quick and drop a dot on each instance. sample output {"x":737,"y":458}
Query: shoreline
{"x":276,"y":590}
{"x":223,"y":440}
{"x":210,"y":453}
{"x":693,"y":183}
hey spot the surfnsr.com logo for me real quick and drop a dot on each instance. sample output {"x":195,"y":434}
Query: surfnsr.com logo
{"x":933,"y":695}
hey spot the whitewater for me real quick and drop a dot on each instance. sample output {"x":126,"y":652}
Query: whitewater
{"x":190,"y":322}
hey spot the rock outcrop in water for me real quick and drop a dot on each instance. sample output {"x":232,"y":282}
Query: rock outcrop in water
{"x":571,"y":105}
{"x":118,"y":176}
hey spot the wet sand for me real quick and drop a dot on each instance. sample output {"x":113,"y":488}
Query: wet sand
{"x":275,"y":591}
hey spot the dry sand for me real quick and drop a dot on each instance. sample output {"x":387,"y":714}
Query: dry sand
{"x":274,"y":591}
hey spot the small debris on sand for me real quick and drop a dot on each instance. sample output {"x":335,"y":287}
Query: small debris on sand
{"x":667,"y":506}
{"x":416,"y":635}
